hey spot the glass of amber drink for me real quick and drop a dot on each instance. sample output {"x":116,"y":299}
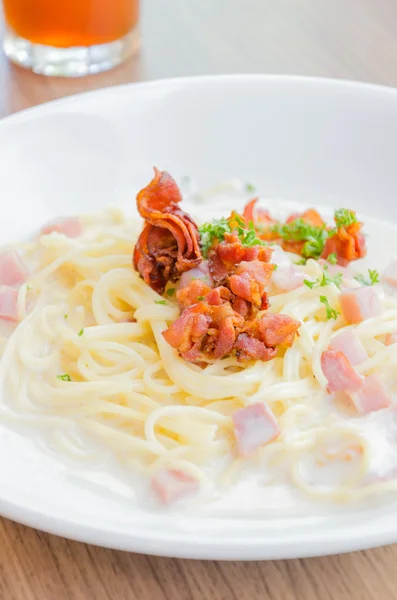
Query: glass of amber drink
{"x":70,"y":38}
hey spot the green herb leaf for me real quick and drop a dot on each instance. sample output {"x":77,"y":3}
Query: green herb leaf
{"x":250,"y":188}
{"x":80,"y":333}
{"x":311,"y":284}
{"x":210,"y":232}
{"x":332,"y":258}
{"x":275,"y":267}
{"x":65,"y":316}
{"x":373,"y":277}
{"x":216,"y":230}
{"x":64,"y":377}
{"x":344,"y":217}
{"x":300,"y":231}
{"x":200,"y":298}
{"x":161,"y":302}
{"x":170,"y":291}
{"x":326,"y":279}
{"x":331,"y":312}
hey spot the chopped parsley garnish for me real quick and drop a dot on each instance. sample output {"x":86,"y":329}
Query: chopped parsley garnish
{"x":80,"y":333}
{"x":314,"y":237}
{"x":300,"y":261}
{"x":29,"y":288}
{"x":331,"y":312}
{"x":326,"y":279}
{"x":373,"y":277}
{"x":250,"y":188}
{"x":344,"y":217}
{"x":332,"y":259}
{"x":64,"y":377}
{"x":65,"y":316}
{"x":210,"y":232}
{"x":200,"y":298}
{"x":275,"y":267}
{"x":248,"y":237}
{"x":299,"y":231}
{"x":170,"y":291}
{"x":161,"y":302}
{"x":216,"y":229}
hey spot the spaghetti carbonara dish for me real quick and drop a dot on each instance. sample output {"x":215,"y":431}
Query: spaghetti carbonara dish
{"x":198,"y":352}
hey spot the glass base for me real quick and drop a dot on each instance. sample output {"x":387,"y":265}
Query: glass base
{"x":69,"y":62}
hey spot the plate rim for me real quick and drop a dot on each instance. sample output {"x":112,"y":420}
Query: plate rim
{"x":183,"y":545}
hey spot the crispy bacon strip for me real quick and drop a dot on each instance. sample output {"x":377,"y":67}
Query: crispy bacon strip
{"x":224,"y":257}
{"x":262,"y":220}
{"x":250,"y":280}
{"x":260,"y":338}
{"x":169,"y":243}
{"x":348,"y":244}
{"x":209,"y":326}
{"x":192,"y":293}
{"x":310,"y":216}
{"x":204,"y":330}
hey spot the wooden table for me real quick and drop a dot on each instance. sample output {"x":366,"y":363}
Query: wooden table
{"x":355,"y":39}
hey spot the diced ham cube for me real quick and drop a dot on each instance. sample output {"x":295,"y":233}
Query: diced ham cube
{"x":8,"y":303}
{"x":254,"y":426}
{"x":70,"y":226}
{"x":391,"y":338}
{"x":350,"y":344}
{"x":360,"y":304}
{"x":286,"y":276}
{"x":333,"y":270}
{"x":12,"y":269}
{"x":201,"y":272}
{"x":373,"y":395}
{"x":339,"y":373}
{"x":390,"y":273}
{"x":170,"y":485}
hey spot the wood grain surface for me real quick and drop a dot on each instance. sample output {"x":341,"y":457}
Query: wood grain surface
{"x":355,"y":39}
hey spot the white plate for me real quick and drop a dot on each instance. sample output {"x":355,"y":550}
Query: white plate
{"x":316,"y":141}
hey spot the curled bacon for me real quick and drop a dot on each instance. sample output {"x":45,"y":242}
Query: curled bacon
{"x":169,"y":243}
{"x":348,"y":243}
{"x":262,"y":220}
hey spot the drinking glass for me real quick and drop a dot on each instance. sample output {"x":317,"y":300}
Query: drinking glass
{"x":70,"y":38}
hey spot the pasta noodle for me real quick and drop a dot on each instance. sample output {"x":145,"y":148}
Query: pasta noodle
{"x":88,"y":355}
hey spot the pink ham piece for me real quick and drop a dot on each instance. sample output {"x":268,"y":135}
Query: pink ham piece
{"x":350,"y":344}
{"x":339,"y":373}
{"x":8,"y":303}
{"x":12,"y":269}
{"x":254,"y":426}
{"x":372,"y":395}
{"x":347,"y":273}
{"x":390,"y":273}
{"x":201,"y":272}
{"x":360,"y":304}
{"x":171,"y":485}
{"x":286,"y":275}
{"x":69,"y":226}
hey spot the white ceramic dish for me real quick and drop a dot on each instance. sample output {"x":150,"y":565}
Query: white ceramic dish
{"x":316,"y":141}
